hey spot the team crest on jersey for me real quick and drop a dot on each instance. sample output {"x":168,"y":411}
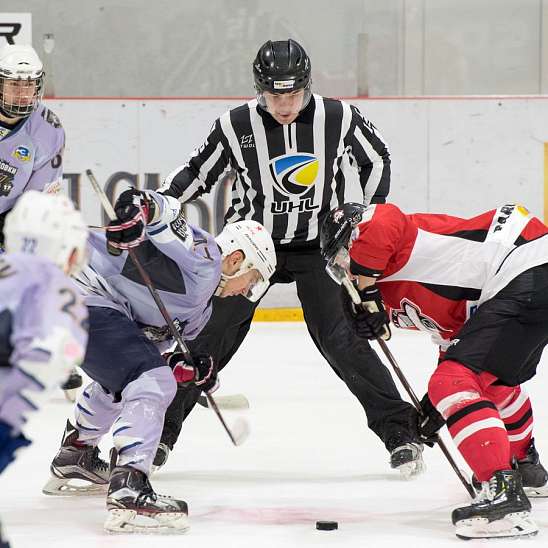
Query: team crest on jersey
{"x":410,"y":316}
{"x":22,"y":154}
{"x":294,"y":174}
{"x":7,"y":175}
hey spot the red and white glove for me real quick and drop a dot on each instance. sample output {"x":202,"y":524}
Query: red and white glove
{"x":202,"y":373}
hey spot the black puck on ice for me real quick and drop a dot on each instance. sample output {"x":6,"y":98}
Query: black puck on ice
{"x":327,"y":525}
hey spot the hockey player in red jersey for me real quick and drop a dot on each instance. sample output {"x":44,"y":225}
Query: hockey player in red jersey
{"x":479,"y":287}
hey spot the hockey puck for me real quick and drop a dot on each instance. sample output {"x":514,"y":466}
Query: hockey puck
{"x":327,"y":525}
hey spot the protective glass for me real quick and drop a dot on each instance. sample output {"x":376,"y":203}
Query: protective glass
{"x":20,"y":96}
{"x":306,"y":97}
{"x":256,"y":287}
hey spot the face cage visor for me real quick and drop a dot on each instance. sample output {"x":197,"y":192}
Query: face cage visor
{"x":306,"y":97}
{"x":19,"y":97}
{"x":254,"y":291}
{"x":338,"y":266}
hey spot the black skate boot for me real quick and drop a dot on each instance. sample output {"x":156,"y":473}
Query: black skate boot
{"x":76,"y":469}
{"x":501,"y":510}
{"x":405,"y":456}
{"x":71,"y":386}
{"x":133,"y":506}
{"x":533,"y":475}
{"x":162,"y":454}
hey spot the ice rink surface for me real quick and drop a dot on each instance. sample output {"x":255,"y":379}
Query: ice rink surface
{"x":310,"y":456}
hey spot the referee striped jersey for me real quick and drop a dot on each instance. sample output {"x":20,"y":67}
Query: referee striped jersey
{"x":288,"y":177}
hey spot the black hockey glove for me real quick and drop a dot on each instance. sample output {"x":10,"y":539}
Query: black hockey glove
{"x":133,"y":212}
{"x":203,"y":372}
{"x":430,"y":422}
{"x":370,"y":320}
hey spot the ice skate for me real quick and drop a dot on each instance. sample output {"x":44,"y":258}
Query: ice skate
{"x":71,"y":386}
{"x":162,"y":454}
{"x":501,"y":510}
{"x":134,"y":507}
{"x":534,"y":476}
{"x":407,"y":458}
{"x":76,"y":469}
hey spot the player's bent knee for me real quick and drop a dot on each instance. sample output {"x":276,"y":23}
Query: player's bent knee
{"x":154,"y":385}
{"x":452,"y":386}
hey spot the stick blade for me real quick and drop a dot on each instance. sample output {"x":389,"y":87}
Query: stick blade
{"x":232,"y":401}
{"x":240,"y":431}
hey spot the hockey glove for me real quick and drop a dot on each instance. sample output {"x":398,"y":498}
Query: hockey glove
{"x":133,"y":212}
{"x":202,"y":373}
{"x":9,"y":444}
{"x":430,"y":422}
{"x":370,"y":320}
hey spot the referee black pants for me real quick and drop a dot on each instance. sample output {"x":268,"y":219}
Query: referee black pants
{"x":352,"y":359}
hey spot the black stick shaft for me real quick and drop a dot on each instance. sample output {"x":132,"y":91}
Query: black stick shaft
{"x":416,"y":403}
{"x":399,"y":373}
{"x":156,"y":297}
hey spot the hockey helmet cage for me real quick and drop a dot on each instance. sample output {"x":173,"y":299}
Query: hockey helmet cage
{"x":21,"y":80}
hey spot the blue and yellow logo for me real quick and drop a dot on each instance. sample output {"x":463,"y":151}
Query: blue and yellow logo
{"x":294,"y":174}
{"x":21,"y":153}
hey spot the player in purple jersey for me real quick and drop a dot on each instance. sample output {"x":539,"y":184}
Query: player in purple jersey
{"x":31,"y":136}
{"x":43,"y":319}
{"x":133,"y":383}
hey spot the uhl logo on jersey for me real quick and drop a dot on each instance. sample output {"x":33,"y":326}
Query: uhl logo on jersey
{"x":294,"y":175}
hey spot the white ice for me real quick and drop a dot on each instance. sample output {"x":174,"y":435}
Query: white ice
{"x":310,"y":457}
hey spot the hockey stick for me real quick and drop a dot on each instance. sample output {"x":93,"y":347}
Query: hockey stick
{"x":231,"y":401}
{"x":240,"y":431}
{"x":352,"y":291}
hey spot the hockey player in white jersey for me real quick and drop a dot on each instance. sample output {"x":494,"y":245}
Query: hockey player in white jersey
{"x":31,"y":139}
{"x":43,"y":331}
{"x":132,"y":383}
{"x":31,"y":136}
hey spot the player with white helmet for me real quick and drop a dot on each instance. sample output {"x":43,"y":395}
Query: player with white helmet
{"x":21,"y":81}
{"x":255,"y":244}
{"x":43,"y":319}
{"x":31,"y":136}
{"x":133,"y":383}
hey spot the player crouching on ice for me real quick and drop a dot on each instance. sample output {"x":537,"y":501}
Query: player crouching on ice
{"x":480,"y":287}
{"x":132,"y":383}
{"x":42,"y":318}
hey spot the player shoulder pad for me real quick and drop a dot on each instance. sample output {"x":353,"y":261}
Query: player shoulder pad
{"x":50,"y":117}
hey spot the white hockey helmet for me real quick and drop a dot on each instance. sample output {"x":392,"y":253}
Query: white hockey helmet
{"x":47,"y":225}
{"x":21,"y":80}
{"x":255,"y":242}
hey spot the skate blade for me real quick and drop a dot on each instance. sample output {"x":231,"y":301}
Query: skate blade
{"x":61,"y":487}
{"x":410,"y":470}
{"x":536,"y":492}
{"x":518,"y":524}
{"x":129,"y":521}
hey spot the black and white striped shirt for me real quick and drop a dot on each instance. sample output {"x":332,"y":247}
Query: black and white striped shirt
{"x":288,"y":177}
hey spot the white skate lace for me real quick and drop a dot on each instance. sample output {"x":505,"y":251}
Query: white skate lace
{"x":488,"y":490}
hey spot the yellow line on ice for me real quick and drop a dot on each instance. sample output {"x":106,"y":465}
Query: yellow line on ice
{"x":278,"y":315}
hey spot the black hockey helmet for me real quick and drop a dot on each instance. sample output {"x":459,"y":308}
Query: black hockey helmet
{"x":337,"y":228}
{"x":282,"y":67}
